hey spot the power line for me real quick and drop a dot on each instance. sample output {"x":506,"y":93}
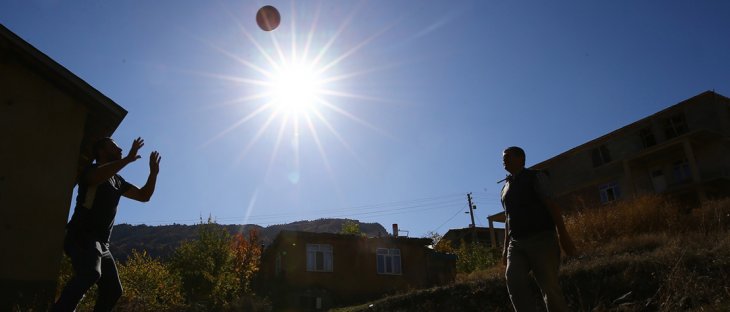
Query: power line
{"x":452,"y":217}
{"x":362,"y":215}
{"x":340,"y":212}
{"x":372,"y":210}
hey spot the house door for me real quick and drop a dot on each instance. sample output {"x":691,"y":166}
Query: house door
{"x":658,"y":180}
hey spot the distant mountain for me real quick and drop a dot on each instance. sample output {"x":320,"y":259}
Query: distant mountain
{"x":161,"y":241}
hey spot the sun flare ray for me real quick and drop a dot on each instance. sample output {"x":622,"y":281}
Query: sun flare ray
{"x":257,"y":136}
{"x":236,"y":124}
{"x":239,"y":59}
{"x":337,"y":135}
{"x":310,"y":34}
{"x":325,"y":159}
{"x":354,"y":118}
{"x":325,"y":48}
{"x":233,"y":102}
{"x":277,"y":144}
{"x":353,"y":50}
{"x":253,"y":41}
{"x":291,"y":90}
{"x":318,"y":143}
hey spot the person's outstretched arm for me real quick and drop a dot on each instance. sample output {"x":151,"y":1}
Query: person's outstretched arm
{"x":145,"y":193}
{"x":105,"y":171}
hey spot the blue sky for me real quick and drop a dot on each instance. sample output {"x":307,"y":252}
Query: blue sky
{"x":419,"y":98}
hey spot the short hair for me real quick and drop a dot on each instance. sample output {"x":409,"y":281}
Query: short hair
{"x":516,"y":150}
{"x":99,"y":145}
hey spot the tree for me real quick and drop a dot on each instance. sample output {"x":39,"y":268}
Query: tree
{"x":435,"y":238}
{"x":474,"y":256}
{"x":246,"y":258}
{"x":149,"y":285}
{"x":206,"y":268}
{"x":350,"y":227}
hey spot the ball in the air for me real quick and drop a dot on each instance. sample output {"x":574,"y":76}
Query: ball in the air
{"x":268,"y":18}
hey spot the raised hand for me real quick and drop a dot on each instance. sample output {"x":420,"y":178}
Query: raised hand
{"x":136,"y":145}
{"x":155,"y":162}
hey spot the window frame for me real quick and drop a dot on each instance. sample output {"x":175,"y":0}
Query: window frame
{"x":648,"y":139}
{"x":391,"y":263}
{"x":315,"y":252}
{"x":609,"y":192}
{"x":600,"y":156}
{"x":675,"y":126}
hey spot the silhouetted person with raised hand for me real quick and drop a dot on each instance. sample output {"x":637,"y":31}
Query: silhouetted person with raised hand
{"x":535,"y":233}
{"x":88,"y":232}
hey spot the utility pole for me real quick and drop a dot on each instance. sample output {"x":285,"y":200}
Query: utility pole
{"x":471,"y":208}
{"x":474,"y":238}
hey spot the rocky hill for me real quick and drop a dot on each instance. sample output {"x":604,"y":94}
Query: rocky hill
{"x":161,"y":241}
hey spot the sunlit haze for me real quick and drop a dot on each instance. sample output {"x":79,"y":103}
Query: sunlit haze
{"x":379,"y":111}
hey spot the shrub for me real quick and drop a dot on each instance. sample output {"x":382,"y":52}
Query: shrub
{"x":474,"y":257}
{"x":206,"y":268}
{"x":149,"y":285}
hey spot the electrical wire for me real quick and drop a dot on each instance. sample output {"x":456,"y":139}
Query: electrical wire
{"x":367,"y":211}
{"x":452,"y":217}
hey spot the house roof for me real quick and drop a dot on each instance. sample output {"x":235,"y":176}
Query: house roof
{"x":104,"y":115}
{"x":629,"y":127}
{"x":456,"y":235}
{"x":307,"y":235}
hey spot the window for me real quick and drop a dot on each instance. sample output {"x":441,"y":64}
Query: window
{"x":609,"y":192}
{"x":388,"y":261}
{"x":647,"y":137}
{"x":675,"y":126}
{"x":601,"y":156}
{"x":681,"y":171}
{"x":319,"y":258}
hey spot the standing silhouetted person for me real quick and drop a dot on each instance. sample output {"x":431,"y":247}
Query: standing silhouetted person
{"x":88,"y":232}
{"x":534,"y":228}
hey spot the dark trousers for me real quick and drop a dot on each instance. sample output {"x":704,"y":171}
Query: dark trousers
{"x":541,"y":255}
{"x":92,"y":264}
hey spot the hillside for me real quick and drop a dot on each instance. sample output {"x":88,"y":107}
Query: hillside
{"x":642,"y":255}
{"x":161,"y":241}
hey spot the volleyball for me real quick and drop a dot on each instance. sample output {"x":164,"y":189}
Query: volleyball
{"x":268,"y":18}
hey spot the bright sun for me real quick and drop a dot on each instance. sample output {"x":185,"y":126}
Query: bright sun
{"x":295,"y":88}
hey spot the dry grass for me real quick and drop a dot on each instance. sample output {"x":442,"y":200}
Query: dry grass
{"x":645,"y":254}
{"x":665,"y":256}
{"x":644,"y":215}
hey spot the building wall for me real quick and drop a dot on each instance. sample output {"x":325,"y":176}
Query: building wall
{"x":354,"y":276}
{"x":41,"y":129}
{"x":576,"y":181}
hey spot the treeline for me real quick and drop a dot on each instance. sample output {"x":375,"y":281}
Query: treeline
{"x":213,"y":272}
{"x":201,"y":267}
{"x":160,"y":242}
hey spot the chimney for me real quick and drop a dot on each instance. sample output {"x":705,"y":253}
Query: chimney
{"x":395,"y":229}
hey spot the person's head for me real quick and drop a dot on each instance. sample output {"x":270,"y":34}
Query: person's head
{"x":106,"y":150}
{"x":513,"y":159}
